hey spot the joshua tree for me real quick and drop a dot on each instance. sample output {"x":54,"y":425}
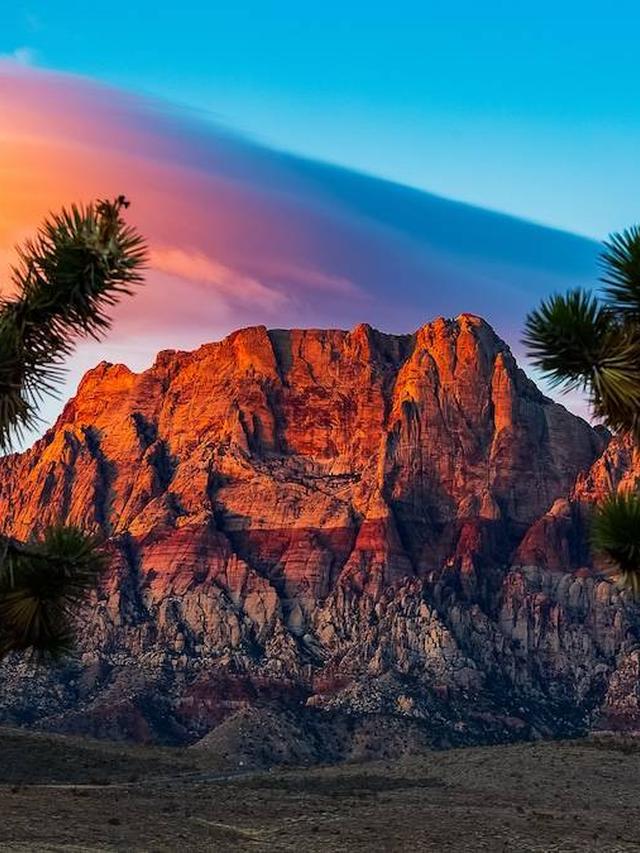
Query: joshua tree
{"x":593,"y":344}
{"x":66,"y":280}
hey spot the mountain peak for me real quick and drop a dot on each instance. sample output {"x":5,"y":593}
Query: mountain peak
{"x":325,"y":507}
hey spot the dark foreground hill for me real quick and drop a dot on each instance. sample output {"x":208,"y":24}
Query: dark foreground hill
{"x":313,"y":530}
{"x":67,"y":794}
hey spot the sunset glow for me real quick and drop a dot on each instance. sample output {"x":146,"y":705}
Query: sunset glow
{"x":242,"y":235}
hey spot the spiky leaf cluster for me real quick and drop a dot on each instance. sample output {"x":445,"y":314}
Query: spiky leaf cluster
{"x":68,"y":277}
{"x":42,"y":585}
{"x":581,"y":341}
{"x":621,"y":277}
{"x":615,"y":534}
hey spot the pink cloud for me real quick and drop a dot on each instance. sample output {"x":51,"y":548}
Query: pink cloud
{"x":240,"y":234}
{"x":197,"y":267}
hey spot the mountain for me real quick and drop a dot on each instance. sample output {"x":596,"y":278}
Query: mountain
{"x":334,"y":539}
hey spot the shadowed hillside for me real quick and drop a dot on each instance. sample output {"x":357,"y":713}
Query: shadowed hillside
{"x":335,"y":527}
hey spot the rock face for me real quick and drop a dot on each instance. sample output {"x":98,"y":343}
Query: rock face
{"x":335,"y":524}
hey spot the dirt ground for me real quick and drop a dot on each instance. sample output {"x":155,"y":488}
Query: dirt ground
{"x":68,"y":794}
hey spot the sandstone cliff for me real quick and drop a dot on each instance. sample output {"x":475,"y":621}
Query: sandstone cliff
{"x":339,"y":524}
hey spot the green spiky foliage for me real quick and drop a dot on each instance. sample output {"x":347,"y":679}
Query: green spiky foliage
{"x":42,"y":585}
{"x":592,"y":343}
{"x":66,"y":281}
{"x":615,"y":533}
{"x":580,"y":342}
{"x":621,"y":262}
{"x":80,"y":263}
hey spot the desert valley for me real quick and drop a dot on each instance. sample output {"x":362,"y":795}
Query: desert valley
{"x":78,"y":795}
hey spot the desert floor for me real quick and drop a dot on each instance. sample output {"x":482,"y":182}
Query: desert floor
{"x":76,"y":795}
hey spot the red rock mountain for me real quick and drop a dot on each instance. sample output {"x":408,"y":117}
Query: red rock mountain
{"x":341,"y":526}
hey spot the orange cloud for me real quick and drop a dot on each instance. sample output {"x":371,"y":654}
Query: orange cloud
{"x":240,"y":234}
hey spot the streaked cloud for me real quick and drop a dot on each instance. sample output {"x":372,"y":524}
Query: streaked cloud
{"x":19,"y":56}
{"x":197,"y":267}
{"x":241,"y":234}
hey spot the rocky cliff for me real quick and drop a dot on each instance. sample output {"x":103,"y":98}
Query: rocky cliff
{"x":337,"y":527}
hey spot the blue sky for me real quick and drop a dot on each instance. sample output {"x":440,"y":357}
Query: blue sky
{"x":529,"y":109}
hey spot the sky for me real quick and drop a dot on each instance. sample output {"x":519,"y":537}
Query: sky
{"x":530,"y":109}
{"x":304,"y":164}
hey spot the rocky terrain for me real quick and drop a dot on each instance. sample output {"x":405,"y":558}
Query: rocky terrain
{"x":330,"y":535}
{"x":60,"y":793}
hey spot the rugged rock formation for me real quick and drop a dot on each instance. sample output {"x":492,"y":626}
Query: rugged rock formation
{"x":331,"y":523}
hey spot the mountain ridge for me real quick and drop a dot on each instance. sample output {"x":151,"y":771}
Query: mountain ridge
{"x":331,"y":522}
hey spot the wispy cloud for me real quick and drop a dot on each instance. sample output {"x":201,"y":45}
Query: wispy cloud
{"x":22,"y":56}
{"x":227,"y":282}
{"x":314,"y":279}
{"x":243,"y":235}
